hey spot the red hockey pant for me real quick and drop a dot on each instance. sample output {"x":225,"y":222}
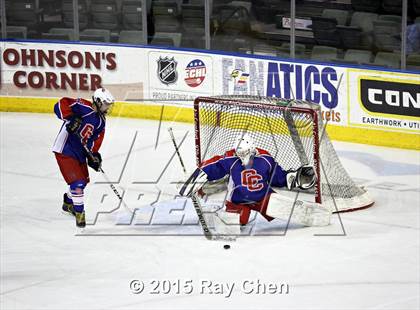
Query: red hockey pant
{"x":71,"y":169}
{"x":244,"y":210}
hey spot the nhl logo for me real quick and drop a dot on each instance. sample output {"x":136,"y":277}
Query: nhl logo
{"x":167,"y":70}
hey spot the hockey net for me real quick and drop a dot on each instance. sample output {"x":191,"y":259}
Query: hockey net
{"x":291,"y":130}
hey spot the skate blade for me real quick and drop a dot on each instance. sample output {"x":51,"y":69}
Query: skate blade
{"x":67,"y":213}
{"x":80,"y":230}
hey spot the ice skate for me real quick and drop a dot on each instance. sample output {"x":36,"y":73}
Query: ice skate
{"x":80,"y":219}
{"x":67,"y":205}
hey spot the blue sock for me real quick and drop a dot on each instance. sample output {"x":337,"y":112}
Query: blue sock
{"x":67,"y":199}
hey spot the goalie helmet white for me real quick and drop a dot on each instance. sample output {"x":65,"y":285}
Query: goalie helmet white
{"x":103,"y":100}
{"x":244,"y":148}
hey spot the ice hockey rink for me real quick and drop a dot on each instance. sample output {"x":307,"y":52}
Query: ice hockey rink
{"x":367,"y":259}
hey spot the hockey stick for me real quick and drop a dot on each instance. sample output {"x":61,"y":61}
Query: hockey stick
{"x":195,"y":200}
{"x":177,"y":151}
{"x":114,"y":189}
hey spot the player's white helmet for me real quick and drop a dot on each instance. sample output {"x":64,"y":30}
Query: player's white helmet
{"x":244,"y":148}
{"x":103,"y":100}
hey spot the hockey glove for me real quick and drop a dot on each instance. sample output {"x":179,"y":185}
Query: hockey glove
{"x":303,"y":178}
{"x":95,"y":161}
{"x":194,"y":183}
{"x":74,"y":124}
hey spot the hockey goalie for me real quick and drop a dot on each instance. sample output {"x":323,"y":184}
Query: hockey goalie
{"x":253,"y":178}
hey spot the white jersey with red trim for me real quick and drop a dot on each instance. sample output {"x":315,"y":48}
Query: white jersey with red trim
{"x":248,"y":184}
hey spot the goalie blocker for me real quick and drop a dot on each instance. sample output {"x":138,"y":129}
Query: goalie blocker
{"x":251,"y":174}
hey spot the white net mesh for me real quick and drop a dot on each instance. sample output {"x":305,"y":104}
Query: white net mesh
{"x":286,"y":129}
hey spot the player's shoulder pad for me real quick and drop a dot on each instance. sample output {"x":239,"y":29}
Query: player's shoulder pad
{"x":67,"y":100}
{"x":262,"y":152}
{"x":230,"y":153}
{"x":84,"y":102}
{"x":210,"y":161}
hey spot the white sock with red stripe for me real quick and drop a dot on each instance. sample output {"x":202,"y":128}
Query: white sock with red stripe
{"x":77,"y":195}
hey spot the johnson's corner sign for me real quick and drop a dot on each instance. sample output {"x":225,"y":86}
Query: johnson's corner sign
{"x":63,"y":69}
{"x":348,"y":96}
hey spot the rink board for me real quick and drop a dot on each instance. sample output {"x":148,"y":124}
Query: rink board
{"x":362,"y":105}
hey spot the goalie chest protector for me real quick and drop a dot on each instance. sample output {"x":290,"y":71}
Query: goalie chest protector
{"x":246,"y":184}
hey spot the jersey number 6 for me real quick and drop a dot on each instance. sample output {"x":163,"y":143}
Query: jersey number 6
{"x":250,"y":179}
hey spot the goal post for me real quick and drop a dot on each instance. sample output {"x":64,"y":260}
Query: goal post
{"x":292,"y":131}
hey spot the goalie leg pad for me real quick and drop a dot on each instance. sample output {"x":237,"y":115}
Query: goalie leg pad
{"x":299,"y":211}
{"x":224,"y":223}
{"x":214,"y":187}
{"x":227,"y":223}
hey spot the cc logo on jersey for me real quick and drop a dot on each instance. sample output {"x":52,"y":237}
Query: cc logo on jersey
{"x":86,"y":132}
{"x":250,"y":179}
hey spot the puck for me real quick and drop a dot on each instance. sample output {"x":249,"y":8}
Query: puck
{"x":226,"y":246}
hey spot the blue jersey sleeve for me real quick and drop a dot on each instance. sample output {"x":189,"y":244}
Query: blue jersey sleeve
{"x":216,"y":167}
{"x":63,"y":108}
{"x":278,"y":175}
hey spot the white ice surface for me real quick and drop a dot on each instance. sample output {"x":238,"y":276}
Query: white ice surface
{"x":47,"y":264}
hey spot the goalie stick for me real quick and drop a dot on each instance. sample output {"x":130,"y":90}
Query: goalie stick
{"x":195,"y":200}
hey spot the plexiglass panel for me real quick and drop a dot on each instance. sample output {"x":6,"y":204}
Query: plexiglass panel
{"x":360,"y":32}
{"x":252,"y":27}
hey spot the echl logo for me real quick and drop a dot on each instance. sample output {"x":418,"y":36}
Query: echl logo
{"x":250,"y":179}
{"x":195,"y":73}
{"x":167,"y":70}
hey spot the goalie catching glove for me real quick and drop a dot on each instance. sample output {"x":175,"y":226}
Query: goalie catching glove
{"x":303,"y":178}
{"x":193,"y":183}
